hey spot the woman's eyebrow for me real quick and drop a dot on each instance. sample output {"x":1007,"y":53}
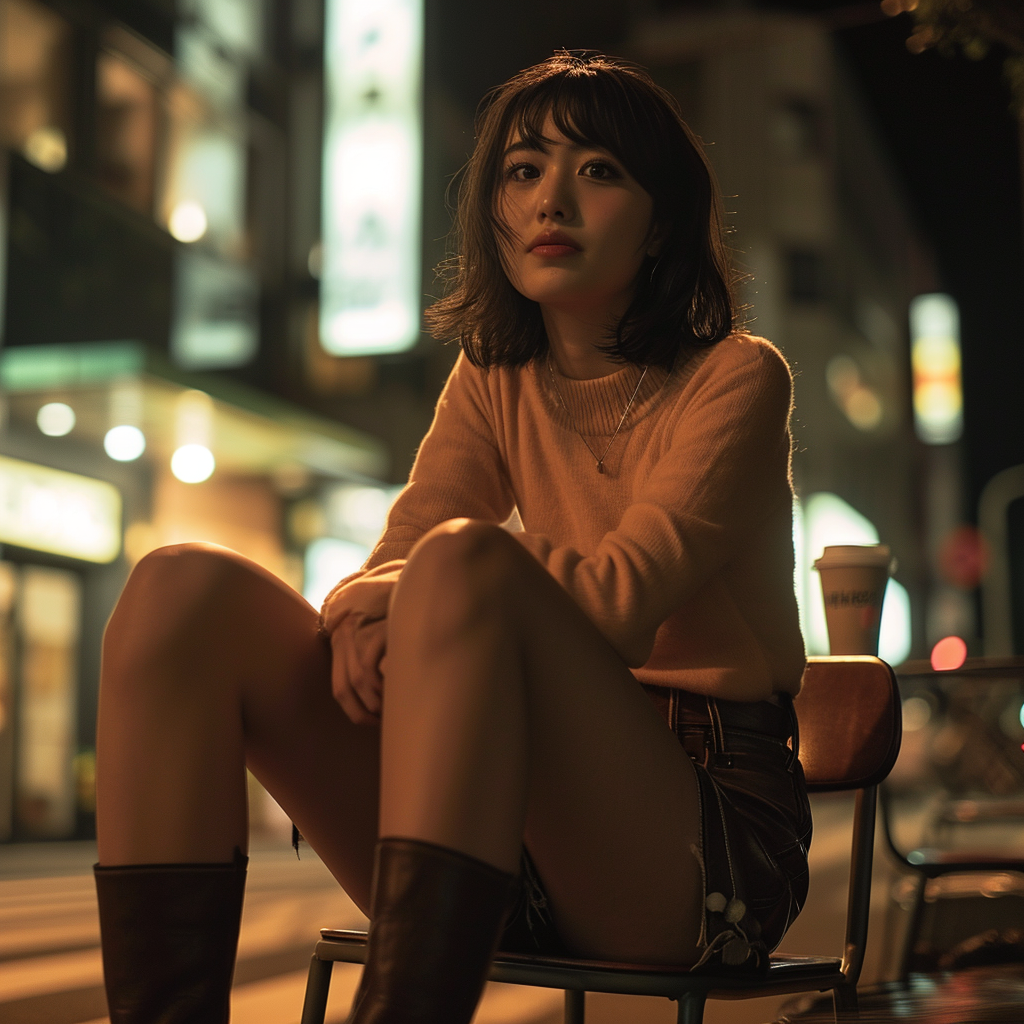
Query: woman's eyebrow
{"x":541,"y":146}
{"x":525,"y":144}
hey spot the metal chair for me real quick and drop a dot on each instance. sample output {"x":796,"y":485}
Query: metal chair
{"x":928,"y":863}
{"x":850,"y":728}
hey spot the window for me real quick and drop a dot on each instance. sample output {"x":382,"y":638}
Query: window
{"x":127,"y":122}
{"x":39,"y":626}
{"x":35,"y":47}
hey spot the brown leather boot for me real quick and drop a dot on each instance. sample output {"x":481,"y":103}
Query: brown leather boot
{"x":435,"y":920}
{"x":169,"y":935}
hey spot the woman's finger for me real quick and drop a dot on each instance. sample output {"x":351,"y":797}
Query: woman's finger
{"x":368,"y":692}
{"x":353,"y":708}
{"x":363,"y":671}
{"x":354,"y":679}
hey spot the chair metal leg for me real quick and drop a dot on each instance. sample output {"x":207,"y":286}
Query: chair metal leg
{"x":913,"y":926}
{"x":314,"y":1006}
{"x":691,"y":1008}
{"x":575,"y":1005}
{"x":844,"y":1000}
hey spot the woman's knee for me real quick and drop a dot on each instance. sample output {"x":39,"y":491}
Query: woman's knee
{"x":461,"y":567}
{"x":170,"y":594}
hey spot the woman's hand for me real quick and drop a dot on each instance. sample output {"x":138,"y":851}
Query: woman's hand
{"x":357,"y":651}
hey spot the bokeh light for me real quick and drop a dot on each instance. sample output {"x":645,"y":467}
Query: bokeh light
{"x":895,"y":633}
{"x":192,"y":463}
{"x":935,"y":358}
{"x":963,"y":557}
{"x":47,"y":148}
{"x":861,"y":404}
{"x":55,"y":419}
{"x":949,"y":653}
{"x":124,"y":443}
{"x":864,"y":409}
{"x":917,"y":712}
{"x":188,"y":221}
{"x":328,"y":560}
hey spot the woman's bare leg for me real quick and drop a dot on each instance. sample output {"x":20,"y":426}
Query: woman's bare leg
{"x":210,"y":662}
{"x":507,"y":713}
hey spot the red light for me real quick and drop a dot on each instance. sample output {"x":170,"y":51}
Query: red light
{"x":949,"y":653}
{"x":964,"y":557}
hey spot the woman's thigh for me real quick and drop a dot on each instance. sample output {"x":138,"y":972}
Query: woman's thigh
{"x":209,"y":659}
{"x":613,"y":813}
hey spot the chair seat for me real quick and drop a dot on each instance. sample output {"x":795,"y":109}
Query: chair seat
{"x":968,"y":812}
{"x":785,"y":973}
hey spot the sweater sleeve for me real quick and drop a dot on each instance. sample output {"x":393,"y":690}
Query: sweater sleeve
{"x":724,"y":471}
{"x":458,"y":471}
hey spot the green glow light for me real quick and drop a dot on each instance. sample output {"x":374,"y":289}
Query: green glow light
{"x":37,"y":367}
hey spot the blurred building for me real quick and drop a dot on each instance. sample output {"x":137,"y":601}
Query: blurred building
{"x":832,"y":263}
{"x":169,"y":372}
{"x":161,"y":375}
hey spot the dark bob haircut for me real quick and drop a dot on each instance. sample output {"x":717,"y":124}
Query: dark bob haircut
{"x":683,"y":298}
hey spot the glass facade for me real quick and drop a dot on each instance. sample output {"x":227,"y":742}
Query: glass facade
{"x":40,"y":620}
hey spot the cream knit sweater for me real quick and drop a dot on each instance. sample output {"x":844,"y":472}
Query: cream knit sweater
{"x":681,"y":552}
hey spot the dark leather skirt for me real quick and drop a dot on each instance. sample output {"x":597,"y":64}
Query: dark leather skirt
{"x":755,"y":831}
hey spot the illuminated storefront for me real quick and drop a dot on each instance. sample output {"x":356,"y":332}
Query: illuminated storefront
{"x":78,"y":519}
{"x":160,"y":458}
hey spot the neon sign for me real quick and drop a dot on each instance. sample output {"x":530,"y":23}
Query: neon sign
{"x":372,"y":168}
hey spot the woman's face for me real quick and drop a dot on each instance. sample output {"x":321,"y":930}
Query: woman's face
{"x":579,"y":225}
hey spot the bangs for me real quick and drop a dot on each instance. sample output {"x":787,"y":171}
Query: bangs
{"x":591,"y":109}
{"x":577,"y":110}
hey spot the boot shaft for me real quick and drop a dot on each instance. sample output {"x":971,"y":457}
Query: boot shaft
{"x":436,"y":918}
{"x":170,"y":935}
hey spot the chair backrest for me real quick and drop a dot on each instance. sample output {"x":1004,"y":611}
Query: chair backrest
{"x":851,"y":723}
{"x":850,"y":720}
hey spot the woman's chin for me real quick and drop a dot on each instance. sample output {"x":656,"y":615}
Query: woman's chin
{"x":589,"y":305}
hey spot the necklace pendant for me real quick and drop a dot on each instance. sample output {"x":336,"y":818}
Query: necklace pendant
{"x":600,"y":466}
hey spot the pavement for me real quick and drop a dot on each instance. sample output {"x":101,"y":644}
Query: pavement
{"x":50,"y":968}
{"x":51,"y":971}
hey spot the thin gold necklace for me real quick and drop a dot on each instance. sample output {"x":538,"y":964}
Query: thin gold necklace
{"x":625,"y":412}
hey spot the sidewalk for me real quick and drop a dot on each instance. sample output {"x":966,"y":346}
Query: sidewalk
{"x":51,"y":971}
{"x":50,"y":968}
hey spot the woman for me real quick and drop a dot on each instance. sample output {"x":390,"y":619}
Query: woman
{"x":473,"y":733}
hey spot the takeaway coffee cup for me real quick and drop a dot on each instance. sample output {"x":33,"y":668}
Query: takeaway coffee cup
{"x":853,"y":579}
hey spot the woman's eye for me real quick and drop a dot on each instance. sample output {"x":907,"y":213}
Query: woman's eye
{"x":522,"y":172}
{"x":600,"y":169}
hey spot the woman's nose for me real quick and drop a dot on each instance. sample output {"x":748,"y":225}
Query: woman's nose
{"x":556,"y":200}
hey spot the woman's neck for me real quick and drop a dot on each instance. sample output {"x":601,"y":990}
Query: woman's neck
{"x":574,"y":342}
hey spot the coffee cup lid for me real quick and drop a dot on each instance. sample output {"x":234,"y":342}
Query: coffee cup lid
{"x":870,"y":556}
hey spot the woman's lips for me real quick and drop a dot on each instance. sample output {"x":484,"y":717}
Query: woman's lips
{"x":554,"y":250}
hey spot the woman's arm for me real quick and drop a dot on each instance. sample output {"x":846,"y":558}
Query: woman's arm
{"x":725,"y":472}
{"x":458,"y":471}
